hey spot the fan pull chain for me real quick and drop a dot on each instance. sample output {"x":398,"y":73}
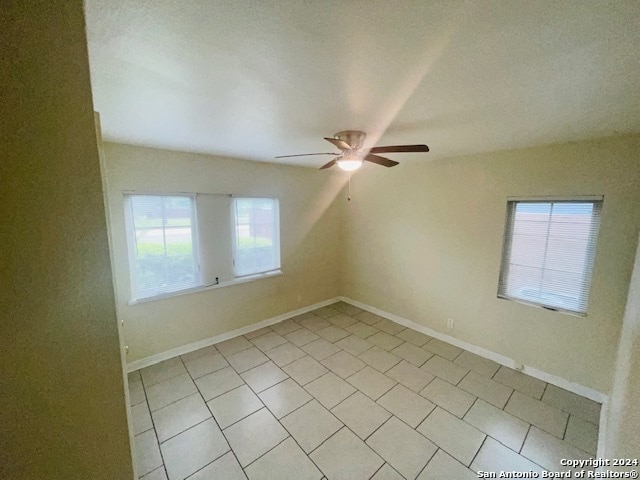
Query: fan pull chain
{"x":349,"y":189}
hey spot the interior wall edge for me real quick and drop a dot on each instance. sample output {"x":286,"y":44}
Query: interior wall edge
{"x":622,"y":415}
{"x":183,"y":350}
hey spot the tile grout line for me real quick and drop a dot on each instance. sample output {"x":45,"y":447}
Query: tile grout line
{"x":163,"y":381}
{"x":335,"y":343}
{"x":329,"y":437}
{"x":145,"y":431}
{"x":343,"y":424}
{"x":476,"y":398}
{"x":521,"y":448}
{"x":391,"y":467}
{"x":153,"y":423}
{"x":279,"y":419}
{"x":268,"y":451}
{"x":401,"y":420}
{"x":214,"y":419}
{"x":500,"y":408}
{"x":182,"y":431}
{"x":208,"y":373}
{"x":296,"y":441}
{"x":524,"y":440}
{"x":341,"y":401}
{"x":391,"y":415}
{"x":257,"y":393}
{"x":375,"y":430}
{"x":376,"y":472}
{"x":517,"y":452}
{"x":444,"y":408}
{"x":507,"y":402}
{"x":465,"y":376}
{"x":492,"y":437}
{"x":543,"y":391}
{"x":153,"y":471}
{"x":467,"y":412}
{"x":566,"y":426}
{"x":477,"y":451}
{"x":425,"y":418}
{"x":458,"y":355}
{"x":428,"y":383}
{"x":431,"y":459}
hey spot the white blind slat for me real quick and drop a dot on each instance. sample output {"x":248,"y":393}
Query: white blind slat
{"x":549,"y":251}
{"x":164,"y":250}
{"x":257,"y":235}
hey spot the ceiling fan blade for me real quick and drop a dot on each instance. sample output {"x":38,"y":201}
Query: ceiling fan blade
{"x":400,"y":149}
{"x":328,"y":165}
{"x":380,"y":160}
{"x":306,"y":155}
{"x":339,"y":143}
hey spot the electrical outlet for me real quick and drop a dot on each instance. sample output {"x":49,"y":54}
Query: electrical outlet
{"x":299,"y":298}
{"x":450,"y":322}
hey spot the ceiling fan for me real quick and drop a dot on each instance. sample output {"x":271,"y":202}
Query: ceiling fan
{"x":352,"y":154}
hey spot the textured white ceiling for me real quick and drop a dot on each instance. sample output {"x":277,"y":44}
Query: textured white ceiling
{"x":255,"y":79}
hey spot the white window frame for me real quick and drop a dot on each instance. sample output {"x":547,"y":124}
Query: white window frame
{"x":136,"y":294}
{"x":512,"y":202}
{"x":276,"y":238}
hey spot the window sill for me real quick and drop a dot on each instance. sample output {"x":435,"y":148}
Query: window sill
{"x":542,"y":306}
{"x":204,"y":288}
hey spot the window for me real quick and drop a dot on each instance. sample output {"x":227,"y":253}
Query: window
{"x":548,"y":254}
{"x":176,"y":247}
{"x":256,"y":236}
{"x":163,"y":243}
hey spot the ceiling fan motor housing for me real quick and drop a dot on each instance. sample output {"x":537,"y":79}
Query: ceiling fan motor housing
{"x":354,"y":138}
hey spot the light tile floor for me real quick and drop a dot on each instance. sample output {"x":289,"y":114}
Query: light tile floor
{"x":344,"y":394}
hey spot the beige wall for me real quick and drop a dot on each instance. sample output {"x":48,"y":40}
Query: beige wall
{"x":310,"y":241}
{"x":424,"y":240}
{"x":622,"y":433}
{"x":62,"y":401}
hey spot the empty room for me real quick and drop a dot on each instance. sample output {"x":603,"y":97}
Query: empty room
{"x":321,"y":240}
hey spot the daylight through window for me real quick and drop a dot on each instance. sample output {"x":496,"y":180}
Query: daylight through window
{"x":163,"y":244}
{"x":187,"y":242}
{"x":549,"y":251}
{"x":257,"y":236}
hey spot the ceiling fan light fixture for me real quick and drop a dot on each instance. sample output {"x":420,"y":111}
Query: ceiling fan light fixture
{"x":349,"y":161}
{"x":349,"y":165}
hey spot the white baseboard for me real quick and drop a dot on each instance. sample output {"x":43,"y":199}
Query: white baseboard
{"x":174,"y":352}
{"x":496,"y":357}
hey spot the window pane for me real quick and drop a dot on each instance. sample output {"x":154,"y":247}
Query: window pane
{"x":566,"y":254}
{"x":549,"y":253}
{"x":147,"y":211}
{"x":177,"y":211}
{"x":527,"y":251}
{"x":257,"y":231}
{"x":165,"y":255}
{"x":562,"y":289}
{"x":538,"y":210}
{"x":150,"y":258}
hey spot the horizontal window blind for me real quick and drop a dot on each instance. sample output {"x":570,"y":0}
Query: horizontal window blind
{"x":257,"y":235}
{"x":162,"y":244}
{"x":549,"y":251}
